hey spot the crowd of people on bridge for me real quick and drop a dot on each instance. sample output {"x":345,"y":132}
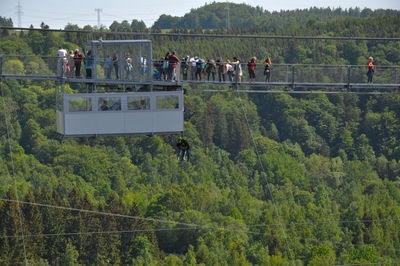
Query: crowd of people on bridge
{"x":210,"y":69}
{"x":169,"y":67}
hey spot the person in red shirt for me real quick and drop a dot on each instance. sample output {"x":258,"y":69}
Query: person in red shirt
{"x":173,"y":61}
{"x":371,"y":70}
{"x":252,"y":69}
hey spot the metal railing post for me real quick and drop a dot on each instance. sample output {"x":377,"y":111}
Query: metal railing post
{"x":293,"y":69}
{"x":348,"y":76}
{"x":287,"y":74}
{"x":395,"y":74}
{"x":1,"y":64}
{"x":341,"y":74}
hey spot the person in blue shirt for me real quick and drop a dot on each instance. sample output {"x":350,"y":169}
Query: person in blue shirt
{"x":89,"y":64}
{"x":109,"y":62}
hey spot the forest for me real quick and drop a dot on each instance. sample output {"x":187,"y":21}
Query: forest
{"x":274,"y":179}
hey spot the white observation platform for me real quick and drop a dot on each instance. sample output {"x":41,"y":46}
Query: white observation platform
{"x":134,"y":108}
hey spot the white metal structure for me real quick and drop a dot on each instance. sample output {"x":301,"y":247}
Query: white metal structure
{"x":131,"y":113}
{"x":127,"y":111}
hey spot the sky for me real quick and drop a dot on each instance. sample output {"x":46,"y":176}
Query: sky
{"x":57,"y":14}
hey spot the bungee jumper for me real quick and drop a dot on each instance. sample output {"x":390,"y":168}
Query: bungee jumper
{"x":184,"y":149}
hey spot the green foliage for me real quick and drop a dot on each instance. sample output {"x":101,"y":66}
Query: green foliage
{"x":274,"y":179}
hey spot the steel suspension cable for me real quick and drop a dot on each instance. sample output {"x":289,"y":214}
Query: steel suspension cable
{"x":203,"y":35}
{"x":13,"y":171}
{"x":263,"y":171}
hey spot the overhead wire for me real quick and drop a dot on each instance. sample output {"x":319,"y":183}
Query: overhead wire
{"x":341,"y":243}
{"x":266,"y":179}
{"x":370,"y":263}
{"x":98,"y":212}
{"x":196,"y":225}
{"x":204,"y":35}
{"x":13,"y":170}
{"x":165,"y":221}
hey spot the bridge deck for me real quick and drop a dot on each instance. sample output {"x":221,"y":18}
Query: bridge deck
{"x":271,"y":87}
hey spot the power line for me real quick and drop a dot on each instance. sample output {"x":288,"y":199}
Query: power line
{"x":371,"y":263}
{"x":202,"y":35}
{"x":97,"y":212}
{"x":263,"y":170}
{"x":191,"y":228}
{"x":13,"y":170}
{"x":196,"y":225}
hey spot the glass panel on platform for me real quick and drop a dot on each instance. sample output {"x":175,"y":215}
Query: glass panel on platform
{"x":138,"y":102}
{"x":109,"y":104}
{"x":79,"y":104}
{"x":167,"y":102}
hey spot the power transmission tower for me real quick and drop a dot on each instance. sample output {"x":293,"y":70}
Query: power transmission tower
{"x":98,"y":10}
{"x":228,"y":21}
{"x":19,"y":12}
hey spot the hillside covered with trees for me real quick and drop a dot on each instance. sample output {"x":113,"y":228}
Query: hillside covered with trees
{"x":243,"y":16}
{"x":274,"y":179}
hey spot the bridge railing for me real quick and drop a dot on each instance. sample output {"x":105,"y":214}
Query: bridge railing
{"x":32,"y":65}
{"x":45,"y":66}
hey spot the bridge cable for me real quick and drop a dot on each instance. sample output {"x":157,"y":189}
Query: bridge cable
{"x":203,"y":35}
{"x":267,"y":183}
{"x":196,"y":225}
{"x":13,"y":170}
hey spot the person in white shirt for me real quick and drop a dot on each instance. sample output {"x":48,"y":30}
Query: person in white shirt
{"x":143,"y":65}
{"x":229,"y":70}
{"x":193,"y":67}
{"x":62,"y":61}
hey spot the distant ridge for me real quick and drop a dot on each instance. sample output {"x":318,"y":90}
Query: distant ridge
{"x":213,"y":16}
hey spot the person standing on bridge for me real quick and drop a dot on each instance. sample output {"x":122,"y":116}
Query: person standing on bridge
{"x":108,"y":66}
{"x":229,"y":70}
{"x":252,"y":69}
{"x":238,"y":69}
{"x":173,"y":62}
{"x":62,"y":61}
{"x":371,"y":70}
{"x":221,"y":70}
{"x":89,"y":64}
{"x":116,"y":65}
{"x":211,"y":69}
{"x":70,"y":64}
{"x":267,"y":69}
{"x":128,"y":66}
{"x":193,"y":67}
{"x":77,"y":63}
